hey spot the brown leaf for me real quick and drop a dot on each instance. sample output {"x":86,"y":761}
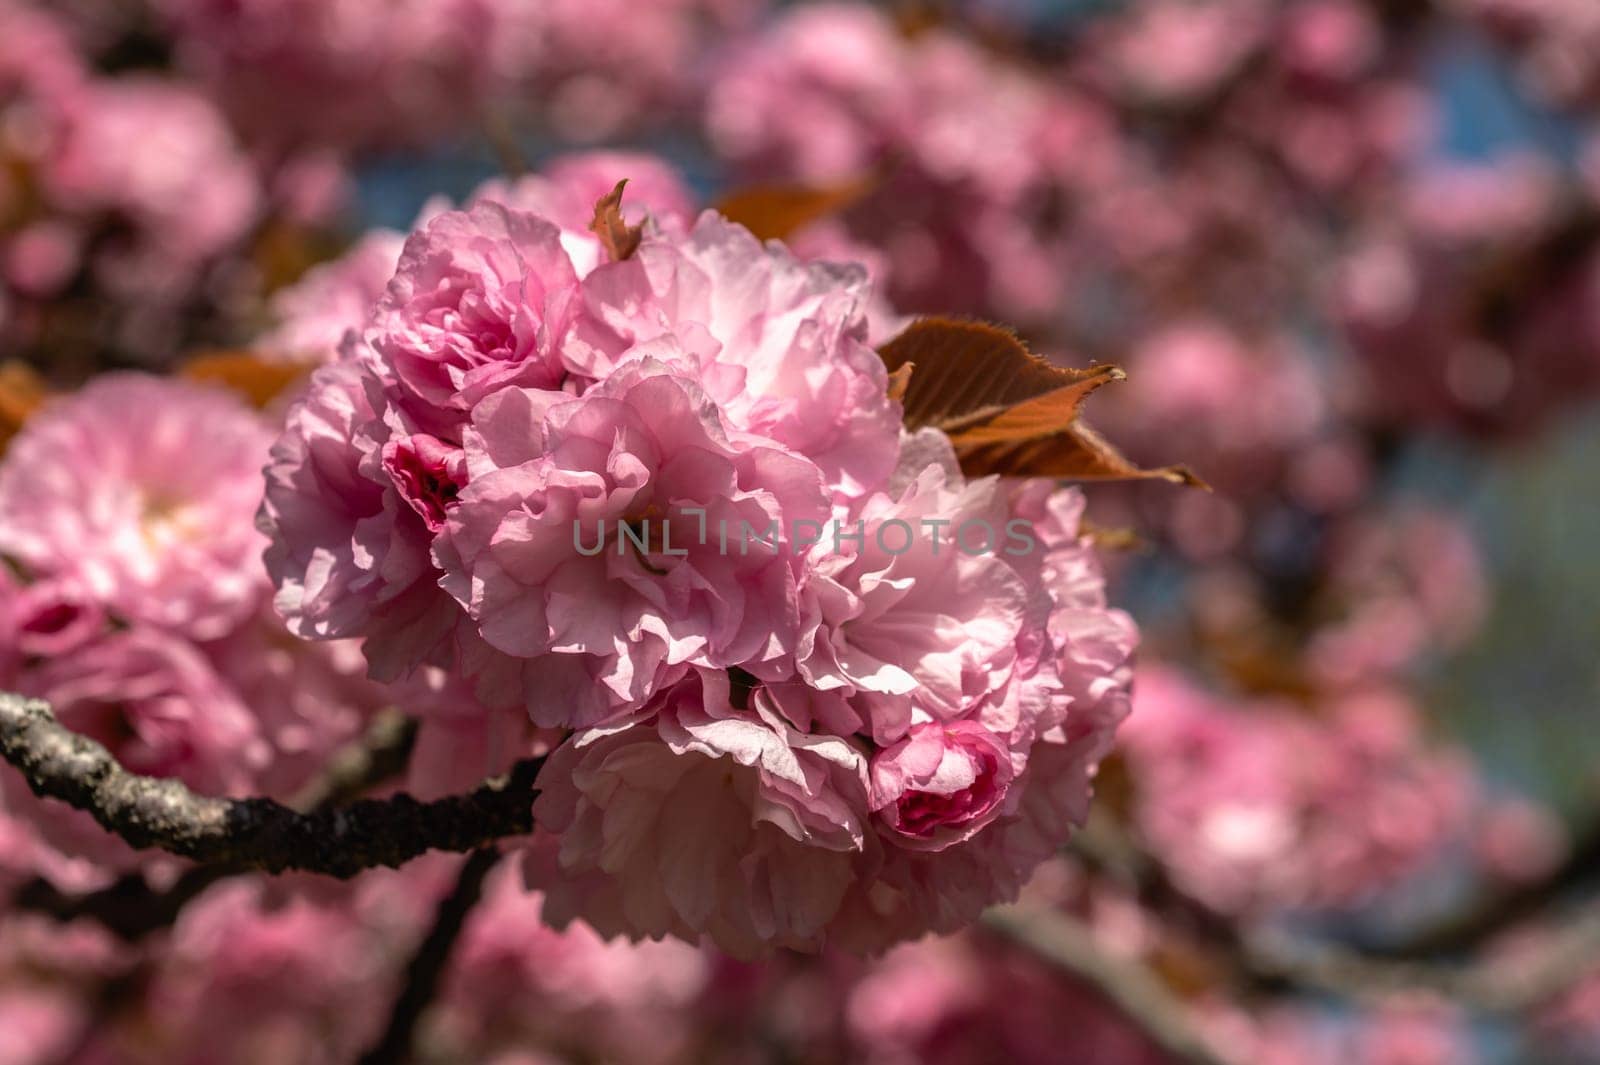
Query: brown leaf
{"x":1076,"y":453}
{"x":776,"y":212}
{"x":1006,"y":410}
{"x":969,"y":373}
{"x":21,"y":393}
{"x":620,"y":239}
{"x":258,"y":380}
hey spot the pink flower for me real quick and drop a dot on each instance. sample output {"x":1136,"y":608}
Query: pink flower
{"x":428,"y":473}
{"x":158,"y":156}
{"x":1175,"y":51}
{"x":1236,"y":407}
{"x":487,"y":329}
{"x":141,"y":491}
{"x":643,"y":452}
{"x":566,"y":188}
{"x":942,"y":783}
{"x":909,"y":621}
{"x":50,"y":617}
{"x":781,"y":344}
{"x":1258,"y":805}
{"x":701,"y":820}
{"x":602,"y":492}
{"x":478,"y":303}
{"x":971,"y":157}
{"x":348,"y":555}
{"x":953,"y":776}
{"x":515,"y":981}
{"x":307,"y":700}
{"x":306,"y":74}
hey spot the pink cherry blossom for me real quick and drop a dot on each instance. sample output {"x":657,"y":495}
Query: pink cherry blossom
{"x":141,"y":492}
{"x":157,"y":155}
{"x":348,"y":555}
{"x":1264,"y":805}
{"x":478,"y":303}
{"x":636,"y":453}
{"x":701,"y":820}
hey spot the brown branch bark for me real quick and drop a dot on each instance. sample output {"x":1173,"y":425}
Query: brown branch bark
{"x":131,"y":909}
{"x":1127,"y":986}
{"x":428,"y":964}
{"x":254,"y":833}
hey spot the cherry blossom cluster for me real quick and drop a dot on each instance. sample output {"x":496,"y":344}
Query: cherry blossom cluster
{"x":857,"y":744}
{"x":133,"y":599}
{"x":132,"y":183}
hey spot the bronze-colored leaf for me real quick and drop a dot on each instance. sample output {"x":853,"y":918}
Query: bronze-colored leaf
{"x":619,"y":238}
{"x":258,"y":380}
{"x":777,"y":212}
{"x":1077,"y":453}
{"x":1006,"y":410}
{"x":969,"y":373}
{"x":21,"y":393}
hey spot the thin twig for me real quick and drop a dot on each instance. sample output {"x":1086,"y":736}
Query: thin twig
{"x":381,"y":755}
{"x":428,"y":964}
{"x":1265,"y":963}
{"x":1129,"y":987}
{"x":1500,"y":912}
{"x":254,"y":833}
{"x":1494,"y":985}
{"x":129,"y":908}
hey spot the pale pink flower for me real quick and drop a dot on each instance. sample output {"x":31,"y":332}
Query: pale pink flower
{"x":908,"y":621}
{"x":515,"y":981}
{"x":1399,"y":588}
{"x":537,"y":548}
{"x":701,"y":819}
{"x":1261,"y":805}
{"x":141,"y":491}
{"x":781,"y":343}
{"x":158,"y":156}
{"x":1173,"y":51}
{"x":460,"y":741}
{"x":1236,"y":407}
{"x":348,"y":555}
{"x":308,"y":700}
{"x":956,"y":769}
{"x":299,"y":75}
{"x":479,"y":302}
{"x":566,"y":188}
{"x":969,"y":158}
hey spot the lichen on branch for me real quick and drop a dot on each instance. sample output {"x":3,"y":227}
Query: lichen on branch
{"x":254,"y":833}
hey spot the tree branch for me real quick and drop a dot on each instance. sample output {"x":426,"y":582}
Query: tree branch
{"x":1266,"y":963}
{"x":1129,"y":987}
{"x":428,"y":965}
{"x":254,"y":833}
{"x":1490,"y":985}
{"x":1501,"y":911}
{"x":382,"y":754}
